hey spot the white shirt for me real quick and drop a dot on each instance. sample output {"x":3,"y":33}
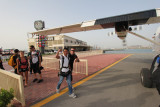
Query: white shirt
{"x":65,"y":64}
{"x":34,"y":57}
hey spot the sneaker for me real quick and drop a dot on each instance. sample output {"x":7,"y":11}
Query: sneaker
{"x":73,"y":95}
{"x":35,"y":80}
{"x":57,"y":90}
{"x":41,"y":80}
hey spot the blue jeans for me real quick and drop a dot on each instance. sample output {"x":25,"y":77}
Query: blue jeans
{"x":68,"y":78}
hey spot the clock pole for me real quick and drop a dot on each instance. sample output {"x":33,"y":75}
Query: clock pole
{"x":42,"y":44}
{"x":39,"y":25}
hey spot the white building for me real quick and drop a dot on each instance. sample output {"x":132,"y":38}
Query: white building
{"x":60,"y":42}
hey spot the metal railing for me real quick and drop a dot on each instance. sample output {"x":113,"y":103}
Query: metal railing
{"x":10,"y":80}
{"x":53,"y":64}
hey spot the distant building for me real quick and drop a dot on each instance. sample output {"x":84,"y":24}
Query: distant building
{"x":60,"y":42}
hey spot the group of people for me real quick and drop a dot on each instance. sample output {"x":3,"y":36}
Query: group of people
{"x":32,"y":62}
{"x":22,"y":64}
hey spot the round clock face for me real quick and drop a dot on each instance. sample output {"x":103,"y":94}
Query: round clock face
{"x":39,"y":25}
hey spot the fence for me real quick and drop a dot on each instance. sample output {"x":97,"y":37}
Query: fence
{"x":53,"y":63}
{"x":10,"y":80}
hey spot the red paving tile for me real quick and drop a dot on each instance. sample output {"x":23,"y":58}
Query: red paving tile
{"x":37,"y":91}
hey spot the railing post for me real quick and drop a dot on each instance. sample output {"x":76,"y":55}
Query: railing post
{"x":86,"y":67}
{"x":76,"y":67}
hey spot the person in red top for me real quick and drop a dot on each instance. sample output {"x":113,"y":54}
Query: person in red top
{"x":22,"y":67}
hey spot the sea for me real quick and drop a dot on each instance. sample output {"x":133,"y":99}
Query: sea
{"x":130,"y":51}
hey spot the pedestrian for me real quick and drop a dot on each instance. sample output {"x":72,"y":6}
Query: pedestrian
{"x":30,"y":69}
{"x":1,"y":64}
{"x":156,"y":79}
{"x":22,"y":66}
{"x":73,"y":58}
{"x":156,"y":74}
{"x":65,"y":71}
{"x":13,"y":60}
{"x":35,"y":59}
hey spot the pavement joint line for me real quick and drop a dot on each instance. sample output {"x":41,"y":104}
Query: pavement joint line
{"x":45,"y":101}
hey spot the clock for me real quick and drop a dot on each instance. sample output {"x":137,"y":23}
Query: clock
{"x":39,"y":25}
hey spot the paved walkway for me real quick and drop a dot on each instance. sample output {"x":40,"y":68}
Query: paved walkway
{"x":36,"y":92}
{"x":118,"y":86}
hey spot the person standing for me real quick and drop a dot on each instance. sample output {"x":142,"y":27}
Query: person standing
{"x":73,"y":57}
{"x":13,"y":60}
{"x":30,"y":69}
{"x":1,"y":64}
{"x":22,"y":66}
{"x":35,"y":63}
{"x":64,"y":71}
{"x":156,"y":74}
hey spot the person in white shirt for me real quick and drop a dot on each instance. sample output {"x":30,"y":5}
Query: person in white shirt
{"x":65,"y":71}
{"x":35,"y":63}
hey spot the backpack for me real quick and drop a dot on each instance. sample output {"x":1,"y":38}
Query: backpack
{"x":64,"y":74}
{"x":23,"y":65}
{"x":29,"y":54}
{"x":11,"y":62}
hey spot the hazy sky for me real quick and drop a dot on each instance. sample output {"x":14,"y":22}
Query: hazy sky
{"x":18,"y":16}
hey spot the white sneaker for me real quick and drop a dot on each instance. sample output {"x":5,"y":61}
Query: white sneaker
{"x":57,"y":90}
{"x":73,"y":95}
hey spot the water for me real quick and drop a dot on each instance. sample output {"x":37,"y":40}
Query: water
{"x":131,"y":51}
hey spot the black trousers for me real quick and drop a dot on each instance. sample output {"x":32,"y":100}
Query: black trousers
{"x":35,"y":68}
{"x":1,"y":66}
{"x":15,"y":71}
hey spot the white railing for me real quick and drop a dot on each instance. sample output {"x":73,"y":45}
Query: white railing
{"x":81,"y":67}
{"x":10,"y":80}
{"x":53,"y":64}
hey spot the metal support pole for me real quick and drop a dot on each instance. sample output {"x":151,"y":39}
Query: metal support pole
{"x":143,"y":37}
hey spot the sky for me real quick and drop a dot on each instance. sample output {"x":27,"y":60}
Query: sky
{"x":17,"y":19}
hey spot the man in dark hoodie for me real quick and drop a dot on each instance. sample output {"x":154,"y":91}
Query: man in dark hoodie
{"x":156,"y":73}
